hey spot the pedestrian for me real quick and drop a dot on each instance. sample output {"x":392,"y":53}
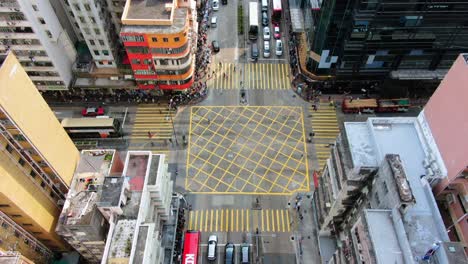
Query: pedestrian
{"x":314,"y":107}
{"x":234,"y":68}
{"x":329,"y":98}
{"x":150,"y":135}
{"x":220,"y":65}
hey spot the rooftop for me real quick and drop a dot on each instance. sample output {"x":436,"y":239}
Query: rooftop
{"x":111,"y":191}
{"x":387,"y":248}
{"x":177,"y":25}
{"x":369,"y":143}
{"x":149,"y":9}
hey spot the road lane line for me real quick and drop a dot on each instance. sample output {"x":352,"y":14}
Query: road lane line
{"x":206,"y":220}
{"x":277,"y":220}
{"x":282,"y":220}
{"x":232,"y":220}
{"x":237,"y":220}
{"x":242,"y":220}
{"x":211,"y":221}
{"x":267,"y":220}
{"x":272,"y":220}
{"x":196,"y":221}
{"x":190,"y":220}
{"x":222,"y":220}
{"x":216,"y":226}
{"x":248,"y":220}
{"x":288,"y":224}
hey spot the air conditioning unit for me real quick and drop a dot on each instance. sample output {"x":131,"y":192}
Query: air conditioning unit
{"x":359,"y":246}
{"x":328,"y":205}
{"x":361,"y":257}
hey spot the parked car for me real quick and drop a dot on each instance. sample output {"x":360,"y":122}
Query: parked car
{"x":266,"y":49}
{"x":245,"y":253}
{"x":215,"y":5}
{"x":266,"y":33}
{"x":214,"y":21}
{"x":212,"y":245}
{"x":276,"y":32}
{"x":254,"y":51}
{"x":215,"y":45}
{"x":264,"y":18}
{"x":229,"y":253}
{"x":92,"y":111}
{"x":279,"y":47}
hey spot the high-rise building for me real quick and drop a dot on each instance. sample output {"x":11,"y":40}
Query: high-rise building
{"x":444,"y":117}
{"x":37,"y":161}
{"x":160,"y":39}
{"x":374,"y":197}
{"x":365,"y":40}
{"x":93,"y":20}
{"x":116,"y":212}
{"x":33,"y":31}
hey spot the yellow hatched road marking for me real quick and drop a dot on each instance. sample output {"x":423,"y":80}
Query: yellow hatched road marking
{"x":277,"y":220}
{"x":272,"y":76}
{"x":227,"y":220}
{"x":201,"y":221}
{"x":211,"y":221}
{"x":195,"y":226}
{"x":247,"y":220}
{"x":272,"y":220}
{"x":191,"y":220}
{"x":267,"y":220}
{"x":265,"y":77}
{"x":232,"y":219}
{"x":282,"y":220}
{"x":237,"y":220}
{"x":257,"y":75}
{"x":288,"y":224}
{"x":268,"y":75}
{"x":216,"y":226}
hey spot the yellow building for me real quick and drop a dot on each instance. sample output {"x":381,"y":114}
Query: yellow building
{"x":37,"y":160}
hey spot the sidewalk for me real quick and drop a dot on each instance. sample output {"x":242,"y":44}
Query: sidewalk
{"x":307,"y":249}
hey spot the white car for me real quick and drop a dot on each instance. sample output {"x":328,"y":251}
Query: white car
{"x":266,"y":48}
{"x":279,"y":47}
{"x":266,"y":33}
{"x":212,"y":245}
{"x":215,"y":5}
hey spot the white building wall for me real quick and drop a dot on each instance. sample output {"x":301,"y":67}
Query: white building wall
{"x":53,"y":38}
{"x":95,"y":24}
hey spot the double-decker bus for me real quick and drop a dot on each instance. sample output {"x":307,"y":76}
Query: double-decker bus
{"x":191,"y":242}
{"x":253,"y":20}
{"x":78,"y":128}
{"x":276,"y":15}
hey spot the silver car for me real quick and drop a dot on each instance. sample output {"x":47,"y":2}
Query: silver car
{"x":266,"y":33}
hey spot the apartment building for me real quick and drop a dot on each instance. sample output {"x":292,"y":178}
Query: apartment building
{"x":32,"y":30}
{"x":96,"y":28}
{"x":376,"y":180}
{"x":116,"y":213}
{"x":160,"y":40}
{"x":115,"y":8}
{"x":37,"y":161}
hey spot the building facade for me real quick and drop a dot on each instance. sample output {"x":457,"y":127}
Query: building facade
{"x":96,"y":27}
{"x":32,"y":30}
{"x":160,"y":40}
{"x":37,"y":158}
{"x":378,"y":180}
{"x":450,"y":136}
{"x":374,"y":40}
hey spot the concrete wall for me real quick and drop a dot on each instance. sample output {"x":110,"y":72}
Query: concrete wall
{"x":36,"y":121}
{"x":446,"y":115}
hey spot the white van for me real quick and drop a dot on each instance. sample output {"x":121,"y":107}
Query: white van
{"x":214,"y":21}
{"x":215,"y":5}
{"x":264,"y":5}
{"x":212,"y":244}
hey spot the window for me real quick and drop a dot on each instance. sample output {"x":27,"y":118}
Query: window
{"x":135,"y":61}
{"x":27,"y":224}
{"x":91,"y":42}
{"x":33,"y":174}
{"x":43,"y":185}
{"x":97,"y":31}
{"x":101,"y":63}
{"x":35,"y":8}
{"x":177,"y":39}
{"x":9,"y":148}
{"x":87,"y":31}
{"x":41,"y":20}
{"x":93,"y":20}
{"x":133,"y":38}
{"x":377,"y":199}
{"x":96,"y":52}
{"x":82,"y":19}
{"x":49,"y":34}
{"x":101,"y":42}
{"x":165,"y":39}
{"x":15,"y":215}
{"x":4,"y":205}
{"x":87,"y":7}
{"x":21,"y":162}
{"x":77,"y":7}
{"x":154,"y":39}
{"x":105,"y":52}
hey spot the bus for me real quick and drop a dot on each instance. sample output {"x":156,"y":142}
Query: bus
{"x":190,"y":252}
{"x":276,"y":15}
{"x":78,"y":128}
{"x":253,"y":20}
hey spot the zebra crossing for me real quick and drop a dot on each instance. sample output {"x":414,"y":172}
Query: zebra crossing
{"x":326,"y":129}
{"x":240,"y":220}
{"x":152,"y":129}
{"x":258,"y":76}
